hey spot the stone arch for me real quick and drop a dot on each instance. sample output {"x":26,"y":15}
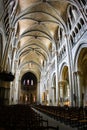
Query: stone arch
{"x":82,"y":2}
{"x":80,"y":47}
{"x":73,"y":14}
{"x":82,"y":66}
{"x":65,"y":73}
{"x":28,"y":88}
{"x":80,"y":63}
{"x":64,"y":89}
{"x":60,"y":72}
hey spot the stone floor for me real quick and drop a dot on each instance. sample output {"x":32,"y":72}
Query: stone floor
{"x":53,"y":122}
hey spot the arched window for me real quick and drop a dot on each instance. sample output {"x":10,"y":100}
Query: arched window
{"x":61,"y":34}
{"x":81,"y":21}
{"x":64,"y":49}
{"x":82,"y":2}
{"x":76,"y":30}
{"x":69,"y":24}
{"x":28,"y":81}
{"x":73,"y":14}
{"x":79,"y":26}
{"x":12,"y":4}
{"x":71,"y":39}
{"x":73,"y":34}
{"x":70,"y":12}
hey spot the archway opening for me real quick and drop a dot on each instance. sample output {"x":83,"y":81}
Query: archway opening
{"x":28,"y":88}
{"x":82,"y":68}
{"x":64,"y":88}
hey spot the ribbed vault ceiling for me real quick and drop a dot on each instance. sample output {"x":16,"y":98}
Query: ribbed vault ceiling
{"x":38,"y":21}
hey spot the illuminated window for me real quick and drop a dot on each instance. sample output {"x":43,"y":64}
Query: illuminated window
{"x":32,"y":82}
{"x":28,"y":82}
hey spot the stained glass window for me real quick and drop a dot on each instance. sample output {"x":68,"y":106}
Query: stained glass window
{"x":28,"y":82}
{"x":32,"y":82}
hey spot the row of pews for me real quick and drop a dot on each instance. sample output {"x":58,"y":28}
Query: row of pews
{"x":22,"y":117}
{"x":75,"y":117}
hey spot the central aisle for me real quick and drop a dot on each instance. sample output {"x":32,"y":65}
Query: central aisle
{"x":53,"y":122}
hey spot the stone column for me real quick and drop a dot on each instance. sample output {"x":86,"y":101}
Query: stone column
{"x":75,"y":93}
{"x":13,"y":59}
{"x":53,"y":89}
{"x":62,"y":84}
{"x":14,"y":86}
{"x":70,"y":68}
{"x":57,"y":89}
{"x":38,"y":92}
{"x":56,"y":68}
{"x":78,"y":78}
{"x":41,"y":89}
{"x":19,"y":90}
{"x":11,"y":93}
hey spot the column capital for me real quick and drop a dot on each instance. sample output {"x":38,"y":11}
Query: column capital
{"x":78,"y":73}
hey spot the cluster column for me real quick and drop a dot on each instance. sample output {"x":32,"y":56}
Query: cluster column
{"x":78,"y":89}
{"x":62,"y":84}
